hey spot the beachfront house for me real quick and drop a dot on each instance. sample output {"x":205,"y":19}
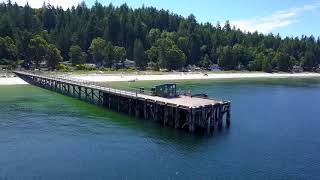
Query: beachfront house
{"x":129,"y":64}
{"x":214,"y":67}
{"x":297,"y":69}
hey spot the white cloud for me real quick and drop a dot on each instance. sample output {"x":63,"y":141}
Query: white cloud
{"x":276,"y":20}
{"x":38,"y":3}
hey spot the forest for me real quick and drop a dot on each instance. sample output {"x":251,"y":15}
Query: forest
{"x":105,"y":35}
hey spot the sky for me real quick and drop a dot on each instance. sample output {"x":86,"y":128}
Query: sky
{"x":286,"y":17}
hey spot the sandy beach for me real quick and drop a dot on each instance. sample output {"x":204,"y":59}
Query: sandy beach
{"x":188,"y":76}
{"x":11,"y":81}
{"x":169,"y":76}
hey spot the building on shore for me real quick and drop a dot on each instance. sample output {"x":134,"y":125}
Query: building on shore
{"x":214,"y":67}
{"x":297,"y":69}
{"x":129,"y":64}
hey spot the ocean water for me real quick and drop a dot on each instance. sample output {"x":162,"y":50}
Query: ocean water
{"x":275,"y":134}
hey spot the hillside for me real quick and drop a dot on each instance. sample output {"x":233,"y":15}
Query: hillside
{"x":106,"y":35}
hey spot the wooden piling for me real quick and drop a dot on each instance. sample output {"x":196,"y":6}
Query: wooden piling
{"x":193,"y":114}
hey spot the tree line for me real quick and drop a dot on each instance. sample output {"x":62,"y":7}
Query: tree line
{"x":105,"y":35}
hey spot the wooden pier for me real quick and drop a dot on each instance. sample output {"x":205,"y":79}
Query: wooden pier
{"x":184,"y":112}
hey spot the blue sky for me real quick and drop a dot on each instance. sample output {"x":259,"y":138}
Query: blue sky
{"x":287,"y":17}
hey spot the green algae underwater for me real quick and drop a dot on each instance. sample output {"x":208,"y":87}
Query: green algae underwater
{"x":274,"y":135}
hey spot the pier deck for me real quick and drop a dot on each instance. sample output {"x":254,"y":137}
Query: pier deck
{"x":183,"y":112}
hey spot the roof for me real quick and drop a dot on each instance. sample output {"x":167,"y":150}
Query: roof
{"x":166,"y":84}
{"x":128,"y":61}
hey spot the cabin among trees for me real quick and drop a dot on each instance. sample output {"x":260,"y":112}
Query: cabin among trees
{"x":105,"y":35}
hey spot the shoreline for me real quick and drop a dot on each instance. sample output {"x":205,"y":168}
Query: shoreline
{"x":187,"y":76}
{"x":169,"y":76}
{"x":12,"y":81}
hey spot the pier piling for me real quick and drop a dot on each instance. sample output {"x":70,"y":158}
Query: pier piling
{"x":194,"y":114}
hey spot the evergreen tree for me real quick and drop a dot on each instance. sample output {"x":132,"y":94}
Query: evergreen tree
{"x":266,"y":65}
{"x":284,"y":63}
{"x":138,"y":54}
{"x":309,"y":60}
{"x":53,"y":56}
{"x":119,"y":53}
{"x":97,"y":49}
{"x":77,"y":56}
{"x":201,"y":43}
{"x":38,"y":48}
{"x":109,"y":55}
{"x":8,"y":49}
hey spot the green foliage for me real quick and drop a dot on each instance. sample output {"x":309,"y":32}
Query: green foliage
{"x":64,"y":68}
{"x":154,"y":35}
{"x":284,"y":62}
{"x":4,"y":61}
{"x":109,"y":55}
{"x":85,"y":67}
{"x":166,"y":53}
{"x":77,"y":56}
{"x":175,"y":58}
{"x":266,"y":65}
{"x":96,"y":49}
{"x":152,"y":54}
{"x":138,"y":54}
{"x":80,"y":67}
{"x":309,"y":60}
{"x":53,"y":56}
{"x":110,"y":34}
{"x":226,"y":60}
{"x":170,"y":56}
{"x":38,"y":48}
{"x":104,"y":53}
{"x":41,"y":51}
{"x":119,"y":53}
{"x":205,"y":61}
{"x":8,"y":49}
{"x":5,"y":26}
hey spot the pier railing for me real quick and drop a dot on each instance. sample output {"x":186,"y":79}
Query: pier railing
{"x":191,"y":113}
{"x":129,"y":91}
{"x":80,"y":82}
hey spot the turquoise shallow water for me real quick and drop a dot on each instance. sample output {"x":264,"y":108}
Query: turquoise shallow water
{"x":274,"y":135}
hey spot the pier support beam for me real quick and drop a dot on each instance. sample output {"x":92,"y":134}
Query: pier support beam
{"x":192,"y":116}
{"x":229,"y":115}
{"x":176,"y":119}
{"x":220,"y":117}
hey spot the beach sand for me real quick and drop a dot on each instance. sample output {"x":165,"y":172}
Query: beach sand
{"x":12,"y":81}
{"x":169,"y":76}
{"x":188,"y":76}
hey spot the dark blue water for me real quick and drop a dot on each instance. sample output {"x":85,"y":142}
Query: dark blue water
{"x":274,"y":135}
